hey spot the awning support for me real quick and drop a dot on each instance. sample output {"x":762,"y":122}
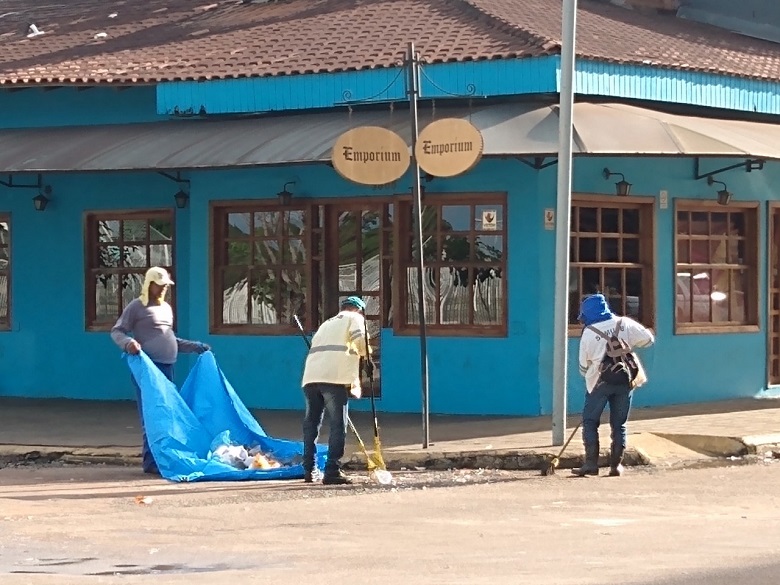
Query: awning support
{"x":176,"y":179}
{"x":538,"y":162}
{"x":10,"y":183}
{"x":749,"y":164}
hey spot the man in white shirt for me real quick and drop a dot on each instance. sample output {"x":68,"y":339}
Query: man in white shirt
{"x":600,"y":324}
{"x":331,"y":373}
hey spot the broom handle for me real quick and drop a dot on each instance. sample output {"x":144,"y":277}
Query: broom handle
{"x":370,"y":379}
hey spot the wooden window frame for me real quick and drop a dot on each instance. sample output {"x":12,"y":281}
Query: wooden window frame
{"x":752,"y":237}
{"x":647,"y":238}
{"x":5,"y":323}
{"x":91,"y":263}
{"x":218,"y":212}
{"x":405,"y":225}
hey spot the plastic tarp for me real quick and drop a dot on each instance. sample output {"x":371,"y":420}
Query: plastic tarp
{"x":183,"y":428}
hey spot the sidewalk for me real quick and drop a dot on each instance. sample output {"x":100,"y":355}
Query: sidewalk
{"x":108,"y":432}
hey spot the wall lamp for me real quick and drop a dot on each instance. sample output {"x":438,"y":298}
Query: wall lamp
{"x":284,"y":196}
{"x":40,"y":201}
{"x":181,"y":199}
{"x":622,"y":187}
{"x":724,"y":196}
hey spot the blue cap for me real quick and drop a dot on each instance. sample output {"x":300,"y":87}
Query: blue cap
{"x":355,"y":302}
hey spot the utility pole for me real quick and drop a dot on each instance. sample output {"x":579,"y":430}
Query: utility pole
{"x":414,"y":93}
{"x":563,"y":223}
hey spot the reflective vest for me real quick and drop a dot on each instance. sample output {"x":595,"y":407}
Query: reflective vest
{"x":336,"y":349}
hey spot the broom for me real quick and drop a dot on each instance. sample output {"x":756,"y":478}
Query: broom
{"x":380,"y":473}
{"x":551,"y":465}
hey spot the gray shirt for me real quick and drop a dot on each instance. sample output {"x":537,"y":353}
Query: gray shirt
{"x":152,"y":327}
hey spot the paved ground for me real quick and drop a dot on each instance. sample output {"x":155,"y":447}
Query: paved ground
{"x":67,"y":525}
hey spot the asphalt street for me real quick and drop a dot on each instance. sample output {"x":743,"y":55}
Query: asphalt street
{"x":74,"y":525}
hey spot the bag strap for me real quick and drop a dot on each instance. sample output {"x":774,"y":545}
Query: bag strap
{"x":604,"y":335}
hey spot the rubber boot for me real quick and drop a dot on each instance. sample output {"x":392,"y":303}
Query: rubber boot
{"x":616,"y":461}
{"x":591,"y":465}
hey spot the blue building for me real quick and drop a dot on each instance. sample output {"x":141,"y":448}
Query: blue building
{"x":199,"y":138}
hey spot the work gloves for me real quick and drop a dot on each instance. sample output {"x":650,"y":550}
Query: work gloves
{"x":204,"y":347}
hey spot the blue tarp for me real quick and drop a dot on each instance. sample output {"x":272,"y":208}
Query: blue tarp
{"x":183,"y":427}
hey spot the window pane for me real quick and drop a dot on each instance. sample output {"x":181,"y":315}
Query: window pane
{"x":456,"y":218}
{"x":108,"y":230}
{"x":106,"y":298}
{"x":295,"y":253}
{"x":489,"y":248}
{"x":266,"y":223}
{"x":588,"y":219}
{"x":609,"y":250}
{"x":455,"y":248}
{"x":613,"y":289}
{"x":131,"y":287}
{"x":683,"y":297}
{"x":631,"y":221}
{"x":699,"y":223}
{"x":134,"y":256}
{"x":631,"y":250}
{"x":588,"y":250}
{"x":486,"y":212}
{"x":610,"y":218}
{"x":591,"y":281}
{"x":683,"y":223}
{"x":238,"y":224}
{"x":454,"y":298}
{"x":5,"y":270}
{"x":160,"y":230}
{"x":295,"y":222}
{"x":700,"y":252}
{"x":134,"y":230}
{"x":267,"y":253}
{"x":265,"y":287}
{"x":234,"y":296}
{"x":292,"y":294}
{"x":429,"y":295}
{"x":3,"y":297}
{"x":238,"y":253}
{"x":683,"y":251}
{"x":633,"y":292}
{"x":161,"y":255}
{"x":488,"y":296}
{"x":108,"y":256}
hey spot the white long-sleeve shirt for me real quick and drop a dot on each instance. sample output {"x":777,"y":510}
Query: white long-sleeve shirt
{"x":593,"y":347}
{"x":336,"y":349}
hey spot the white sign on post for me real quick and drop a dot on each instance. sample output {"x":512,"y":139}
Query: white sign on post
{"x":549,"y":219}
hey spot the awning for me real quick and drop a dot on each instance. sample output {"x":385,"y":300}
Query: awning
{"x":521,"y":129}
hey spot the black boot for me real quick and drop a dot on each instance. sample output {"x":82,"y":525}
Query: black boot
{"x":591,"y":465}
{"x":616,"y":461}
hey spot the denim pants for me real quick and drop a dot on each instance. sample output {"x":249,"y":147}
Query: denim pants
{"x":321,"y":398}
{"x":619,"y":400}
{"x":149,"y":465}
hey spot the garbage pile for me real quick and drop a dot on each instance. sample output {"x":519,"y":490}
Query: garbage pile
{"x":243,"y":458}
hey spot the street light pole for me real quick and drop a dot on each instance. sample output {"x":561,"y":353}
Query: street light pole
{"x":414,"y":93}
{"x":563,"y":223}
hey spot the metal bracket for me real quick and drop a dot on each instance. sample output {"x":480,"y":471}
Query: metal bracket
{"x":538,"y":162}
{"x":749,"y":164}
{"x":176,"y":179}
{"x":10,"y":183}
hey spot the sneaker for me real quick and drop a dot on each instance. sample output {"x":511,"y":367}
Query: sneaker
{"x":338,"y":479}
{"x":312,"y":476}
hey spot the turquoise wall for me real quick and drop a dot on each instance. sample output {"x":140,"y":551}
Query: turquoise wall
{"x":67,"y":106}
{"x":53,"y":355}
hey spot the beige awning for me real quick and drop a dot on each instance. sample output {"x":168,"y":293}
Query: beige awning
{"x":518,"y":129}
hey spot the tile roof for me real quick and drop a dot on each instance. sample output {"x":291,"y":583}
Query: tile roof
{"x":147,"y":41}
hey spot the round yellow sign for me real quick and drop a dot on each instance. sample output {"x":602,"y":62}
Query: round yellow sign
{"x":448,"y":147}
{"x":371,"y":155}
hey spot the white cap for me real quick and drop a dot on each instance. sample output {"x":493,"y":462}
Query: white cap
{"x":158,"y":276}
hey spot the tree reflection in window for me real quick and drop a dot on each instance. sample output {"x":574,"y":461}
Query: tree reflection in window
{"x":5,"y":271}
{"x":463,"y":247}
{"x":263,"y":267}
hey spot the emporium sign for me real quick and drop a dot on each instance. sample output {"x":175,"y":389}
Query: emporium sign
{"x":449,"y":147}
{"x":372,"y":155}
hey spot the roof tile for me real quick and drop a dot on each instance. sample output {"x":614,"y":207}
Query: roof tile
{"x":165,"y":40}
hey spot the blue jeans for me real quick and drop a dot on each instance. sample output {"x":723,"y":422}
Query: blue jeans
{"x":321,"y":398}
{"x":619,"y":400}
{"x":149,"y":464}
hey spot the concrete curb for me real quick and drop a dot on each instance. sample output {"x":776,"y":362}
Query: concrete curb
{"x":647,"y":449}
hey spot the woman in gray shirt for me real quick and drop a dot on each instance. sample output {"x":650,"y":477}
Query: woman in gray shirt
{"x":147,"y":323}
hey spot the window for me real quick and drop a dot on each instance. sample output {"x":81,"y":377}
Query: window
{"x":716,"y":268}
{"x":465,"y":265}
{"x":260,"y":263}
{"x":611,"y":252}
{"x":5,"y":271}
{"x":120,"y":247}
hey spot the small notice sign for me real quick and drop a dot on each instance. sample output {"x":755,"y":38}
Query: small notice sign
{"x":489,"y":220}
{"x":549,"y":219}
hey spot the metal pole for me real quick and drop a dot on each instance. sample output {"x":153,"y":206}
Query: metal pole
{"x":414,"y":92}
{"x":563,"y":223}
